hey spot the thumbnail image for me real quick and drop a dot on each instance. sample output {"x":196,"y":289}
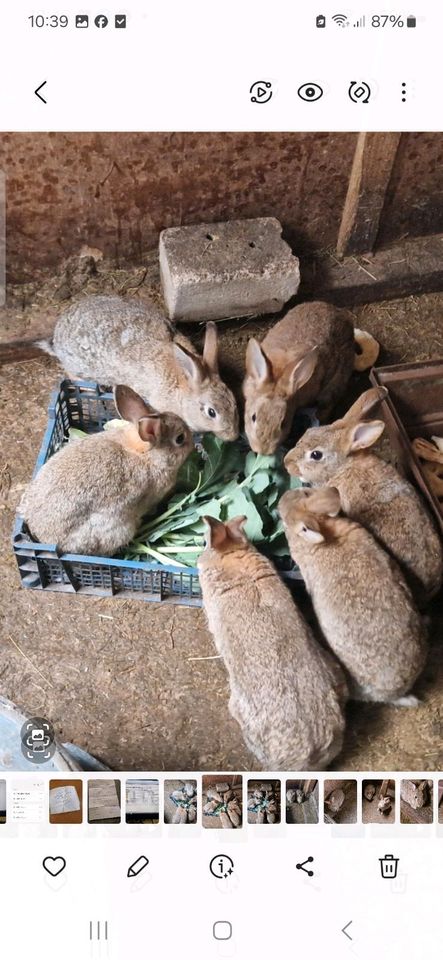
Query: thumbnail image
{"x":440,"y":801}
{"x":378,"y":801}
{"x":28,"y":801}
{"x":222,"y":801}
{"x":2,"y":801}
{"x":104,"y":801}
{"x":340,"y":801}
{"x":212,"y":319}
{"x":180,"y":801}
{"x":264,"y":801}
{"x":417,"y":801}
{"x":302,"y":801}
{"x":142,"y":801}
{"x":65,"y":801}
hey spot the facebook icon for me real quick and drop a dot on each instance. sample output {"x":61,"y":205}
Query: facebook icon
{"x":101,"y":21}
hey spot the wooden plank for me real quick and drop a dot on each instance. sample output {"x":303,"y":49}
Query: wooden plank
{"x":371,"y":171}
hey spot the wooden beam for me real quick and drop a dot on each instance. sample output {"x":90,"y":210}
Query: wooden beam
{"x":371,"y":171}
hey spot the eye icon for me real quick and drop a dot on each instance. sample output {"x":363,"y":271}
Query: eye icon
{"x":310,"y":92}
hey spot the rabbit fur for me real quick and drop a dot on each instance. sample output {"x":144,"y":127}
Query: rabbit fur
{"x":372,"y":491}
{"x":287,"y":693}
{"x":362,"y":603}
{"x":91,"y":495}
{"x":112,"y":340}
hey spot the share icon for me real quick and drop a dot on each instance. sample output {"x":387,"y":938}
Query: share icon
{"x":301,"y":866}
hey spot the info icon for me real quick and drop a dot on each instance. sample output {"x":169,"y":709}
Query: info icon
{"x":38,"y":740}
{"x":101,"y":21}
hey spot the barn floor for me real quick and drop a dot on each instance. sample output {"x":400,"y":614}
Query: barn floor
{"x":136,"y":684}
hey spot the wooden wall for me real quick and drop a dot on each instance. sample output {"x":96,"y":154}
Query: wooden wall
{"x":117,"y":191}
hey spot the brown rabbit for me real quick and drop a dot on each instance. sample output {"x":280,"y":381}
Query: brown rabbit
{"x":362,"y":603}
{"x":113,"y":340}
{"x":287,"y":693}
{"x":307,"y":357}
{"x":92,"y":494}
{"x":372,"y":491}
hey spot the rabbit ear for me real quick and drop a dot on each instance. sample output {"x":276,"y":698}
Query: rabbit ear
{"x":216,"y":534}
{"x":130,"y":406}
{"x":235,"y":529}
{"x":310,"y":531}
{"x":364,"y":404}
{"x":326,"y":500}
{"x":210,"y":349}
{"x":365,"y":434}
{"x":257,"y":363}
{"x":295,"y":375}
{"x":149,"y":428}
{"x":191,"y":365}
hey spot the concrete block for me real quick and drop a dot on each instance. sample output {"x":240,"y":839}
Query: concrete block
{"x":212,"y":271}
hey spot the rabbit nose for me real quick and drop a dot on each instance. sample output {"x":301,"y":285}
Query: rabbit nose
{"x":290,"y":462}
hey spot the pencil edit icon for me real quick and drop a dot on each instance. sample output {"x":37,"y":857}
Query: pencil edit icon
{"x":137,"y":866}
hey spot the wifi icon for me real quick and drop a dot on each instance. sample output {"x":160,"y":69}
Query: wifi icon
{"x":341,"y":20}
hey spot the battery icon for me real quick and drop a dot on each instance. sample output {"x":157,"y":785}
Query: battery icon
{"x":320,"y":21}
{"x":411,"y":22}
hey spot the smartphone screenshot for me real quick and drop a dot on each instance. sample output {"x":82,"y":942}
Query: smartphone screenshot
{"x":221,"y":480}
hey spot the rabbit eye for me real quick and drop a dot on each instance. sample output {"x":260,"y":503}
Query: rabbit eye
{"x":316,"y":454}
{"x":254,"y":417}
{"x":180,"y":439}
{"x":211,"y":413}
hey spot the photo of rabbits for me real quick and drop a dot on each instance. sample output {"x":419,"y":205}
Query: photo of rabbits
{"x":340,"y":801}
{"x":378,"y":801}
{"x":264,"y":801}
{"x":416,"y":801}
{"x":222,"y":802}
{"x":219,"y":380}
{"x":302,"y":801}
{"x":180,"y":801}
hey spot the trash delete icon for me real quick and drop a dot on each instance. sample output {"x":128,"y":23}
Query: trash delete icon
{"x":389,"y":865}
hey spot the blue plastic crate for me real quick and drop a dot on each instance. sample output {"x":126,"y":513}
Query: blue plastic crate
{"x":81,"y":404}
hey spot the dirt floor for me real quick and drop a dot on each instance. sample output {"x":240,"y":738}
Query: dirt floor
{"x":137,"y":684}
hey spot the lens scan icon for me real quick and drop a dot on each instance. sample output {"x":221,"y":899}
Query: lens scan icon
{"x":310,"y":92}
{"x":261,"y":91}
{"x":359,"y":92}
{"x":38,"y":740}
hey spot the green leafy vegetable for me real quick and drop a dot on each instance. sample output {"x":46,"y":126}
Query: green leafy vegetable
{"x":221,"y":480}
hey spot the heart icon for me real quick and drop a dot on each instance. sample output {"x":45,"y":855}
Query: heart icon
{"x":54,"y":865}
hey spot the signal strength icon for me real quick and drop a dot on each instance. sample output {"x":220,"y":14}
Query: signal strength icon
{"x":360,"y":23}
{"x":341,"y":20}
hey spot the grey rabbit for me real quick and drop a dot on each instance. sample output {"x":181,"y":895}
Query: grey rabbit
{"x":307,"y":357}
{"x":287,"y":693}
{"x":112,"y":340}
{"x":91,"y":495}
{"x":363,"y":605}
{"x":372,"y":491}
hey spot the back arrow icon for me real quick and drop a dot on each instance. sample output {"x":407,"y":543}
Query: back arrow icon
{"x":39,"y":94}
{"x":344,"y":929}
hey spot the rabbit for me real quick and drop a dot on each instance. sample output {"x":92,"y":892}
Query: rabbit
{"x":287,"y":693}
{"x":90,"y":497}
{"x":372,"y":491}
{"x":307,"y":357}
{"x":112,"y":340}
{"x":363,"y":605}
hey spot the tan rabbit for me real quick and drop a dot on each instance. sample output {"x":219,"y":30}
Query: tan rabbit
{"x":362,"y":603}
{"x":112,"y":340}
{"x":372,"y":491}
{"x":287,"y":693}
{"x":92,"y":494}
{"x":306,"y":358}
